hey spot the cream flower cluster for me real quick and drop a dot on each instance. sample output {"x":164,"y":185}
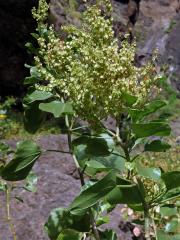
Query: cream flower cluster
{"x":41,"y":13}
{"x":90,"y":69}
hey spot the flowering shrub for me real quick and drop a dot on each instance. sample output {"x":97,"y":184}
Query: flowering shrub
{"x":85,"y":74}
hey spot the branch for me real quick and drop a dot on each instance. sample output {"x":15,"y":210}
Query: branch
{"x":59,"y":151}
{"x":9,"y":219}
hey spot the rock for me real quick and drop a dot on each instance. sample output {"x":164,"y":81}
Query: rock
{"x":158,"y":28}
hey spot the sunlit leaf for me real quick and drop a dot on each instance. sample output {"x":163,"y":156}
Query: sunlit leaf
{"x":57,"y":108}
{"x":31,"y":182}
{"x":168,"y":210}
{"x":147,"y":172}
{"x":37,"y":96}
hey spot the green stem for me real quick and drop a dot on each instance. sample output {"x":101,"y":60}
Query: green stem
{"x":9,"y":219}
{"x":155,"y":229}
{"x":81,"y":174}
{"x":126,"y":152}
{"x":146,"y":211}
{"x":147,"y":223}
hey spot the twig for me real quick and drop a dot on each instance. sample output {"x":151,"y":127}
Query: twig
{"x":155,"y":229}
{"x":9,"y":219}
{"x":81,"y":174}
{"x":58,"y":151}
{"x":147,"y":224}
{"x":146,"y":212}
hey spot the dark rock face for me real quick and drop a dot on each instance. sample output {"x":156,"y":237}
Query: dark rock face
{"x":159,"y":27}
{"x":173,"y":53}
{"x":16,"y":24}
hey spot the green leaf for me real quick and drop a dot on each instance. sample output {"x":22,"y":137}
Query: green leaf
{"x":61,"y":219}
{"x":2,"y":186}
{"x":152,"y":107}
{"x":37,"y":96}
{"x":33,"y":118}
{"x":168,"y":210}
{"x":127,"y":194}
{"x":137,"y":208}
{"x":172,"y":226}
{"x":31,"y":182}
{"x":151,"y":129}
{"x":3,"y":147}
{"x":34,"y":78}
{"x":80,"y":152}
{"x":102,"y":220}
{"x":99,"y":164}
{"x":171,"y":179}
{"x":175,"y":237}
{"x":138,"y":221}
{"x":161,"y":235}
{"x":152,"y":173}
{"x":93,"y":194}
{"x":93,"y":146}
{"x":85,"y":150}
{"x":57,"y":108}
{"x":171,"y":194}
{"x":25,"y":156}
{"x":108,"y":235}
{"x":130,"y":99}
{"x":157,"y":146}
{"x":69,"y":235}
